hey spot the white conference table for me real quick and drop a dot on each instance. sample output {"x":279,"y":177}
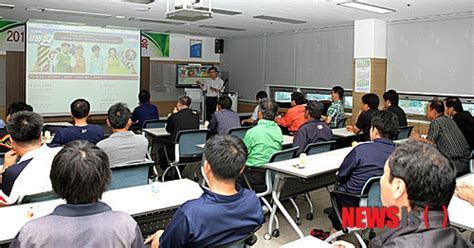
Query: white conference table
{"x":161,"y":132}
{"x":321,"y":164}
{"x":134,"y":201}
{"x":342,"y":132}
{"x":65,"y":124}
{"x":461,"y":212}
{"x":287,"y":141}
{"x":308,"y":241}
{"x":401,"y":141}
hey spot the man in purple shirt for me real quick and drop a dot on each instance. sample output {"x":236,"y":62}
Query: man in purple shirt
{"x":314,"y":130}
{"x":224,"y":118}
{"x":145,"y":110}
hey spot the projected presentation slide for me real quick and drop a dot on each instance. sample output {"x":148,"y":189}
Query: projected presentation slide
{"x":187,"y":75}
{"x":66,"y":62}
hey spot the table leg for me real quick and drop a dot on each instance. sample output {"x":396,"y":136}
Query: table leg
{"x":279,"y":183}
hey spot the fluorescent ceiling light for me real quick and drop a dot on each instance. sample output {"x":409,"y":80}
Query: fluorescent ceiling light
{"x":366,"y":7}
{"x":279,"y":19}
{"x":6,"y":6}
{"x":69,"y":12}
{"x":221,"y":27}
{"x":138,"y":19}
{"x":59,"y":22}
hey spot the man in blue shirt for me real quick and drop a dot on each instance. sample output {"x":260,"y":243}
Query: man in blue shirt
{"x":223,"y":214}
{"x":224,"y":118}
{"x":314,"y":130}
{"x":81,"y":130}
{"x":366,"y":160}
{"x":145,"y":111}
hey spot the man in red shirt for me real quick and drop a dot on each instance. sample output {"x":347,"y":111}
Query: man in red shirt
{"x":295,"y":116}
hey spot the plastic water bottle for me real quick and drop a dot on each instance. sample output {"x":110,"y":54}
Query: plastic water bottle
{"x":155,"y":189}
{"x":303,"y":160}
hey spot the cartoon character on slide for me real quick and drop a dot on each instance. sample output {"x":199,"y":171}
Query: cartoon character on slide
{"x":63,"y":59}
{"x":96,"y":63}
{"x":78,"y":62}
{"x":114,"y":65}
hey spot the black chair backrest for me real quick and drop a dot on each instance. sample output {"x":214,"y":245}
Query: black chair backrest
{"x":43,"y":196}
{"x":320,"y":147}
{"x":248,"y":240}
{"x":189,"y":140}
{"x":154,"y":123}
{"x":404,"y":132}
{"x":284,"y":155}
{"x":239,"y":131}
{"x":372,"y":190}
{"x":342,"y":122}
{"x":130,"y":174}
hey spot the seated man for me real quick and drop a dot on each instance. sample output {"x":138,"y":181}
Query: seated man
{"x":26,"y":167}
{"x":314,"y":130}
{"x":223,"y":214}
{"x":81,"y":130}
{"x":123,"y":146}
{"x":183,"y":118}
{"x":224,"y":118}
{"x":416,"y":176}
{"x":145,"y":110}
{"x":254,"y":118}
{"x":80,"y":174}
{"x":370,"y":103}
{"x":366,"y":160}
{"x":5,"y":144}
{"x":295,"y":117}
{"x":390,"y":103}
{"x":262,"y":141}
{"x":464,"y":119}
{"x":446,"y":135}
{"x":336,"y":110}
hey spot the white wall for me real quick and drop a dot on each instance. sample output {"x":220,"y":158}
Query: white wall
{"x":313,"y":59}
{"x":432,"y":57}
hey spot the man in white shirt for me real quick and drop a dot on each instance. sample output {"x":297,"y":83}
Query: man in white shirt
{"x":212,"y":87}
{"x":30,"y":175}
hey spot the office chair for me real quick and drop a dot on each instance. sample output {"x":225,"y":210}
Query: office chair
{"x":244,"y":242}
{"x":154,"y":124}
{"x":369,"y":197}
{"x":471,"y":162}
{"x":186,"y":149}
{"x":276,"y":157}
{"x":131,"y":174}
{"x":239,"y":132}
{"x":341,"y":123}
{"x":404,"y":132}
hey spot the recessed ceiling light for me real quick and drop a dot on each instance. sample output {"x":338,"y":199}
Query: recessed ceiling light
{"x":279,"y":19}
{"x":68,"y":12}
{"x":222,"y":27}
{"x":120,"y":17}
{"x":139,"y":19}
{"x":366,"y":7}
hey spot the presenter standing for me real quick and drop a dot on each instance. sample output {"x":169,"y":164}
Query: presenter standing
{"x":213,"y":86}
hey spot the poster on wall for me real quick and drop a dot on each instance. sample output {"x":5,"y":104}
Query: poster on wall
{"x":362,"y":75}
{"x":195,"y":48}
{"x":12,"y":36}
{"x":155,"y":45}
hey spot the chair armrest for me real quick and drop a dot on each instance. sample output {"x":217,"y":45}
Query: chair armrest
{"x":333,"y":195}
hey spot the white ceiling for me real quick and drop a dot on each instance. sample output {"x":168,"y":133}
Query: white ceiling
{"x":317,"y":13}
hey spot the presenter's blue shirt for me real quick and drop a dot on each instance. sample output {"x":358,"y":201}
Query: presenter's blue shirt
{"x":145,"y":112}
{"x":92,"y":133}
{"x":213,"y":220}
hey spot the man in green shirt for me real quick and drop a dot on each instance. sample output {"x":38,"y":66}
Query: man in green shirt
{"x":262,"y":141}
{"x":336,"y":110}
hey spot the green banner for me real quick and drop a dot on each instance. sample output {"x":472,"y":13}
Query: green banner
{"x":155,"y":44}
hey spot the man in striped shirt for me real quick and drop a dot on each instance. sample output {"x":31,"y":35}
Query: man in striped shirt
{"x":224,"y":118}
{"x":445,"y":134}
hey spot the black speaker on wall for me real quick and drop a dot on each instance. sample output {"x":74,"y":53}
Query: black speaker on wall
{"x":219,"y":46}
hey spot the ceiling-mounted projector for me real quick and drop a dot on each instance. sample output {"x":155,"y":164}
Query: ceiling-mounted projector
{"x":188,"y":10}
{"x":139,"y":1}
